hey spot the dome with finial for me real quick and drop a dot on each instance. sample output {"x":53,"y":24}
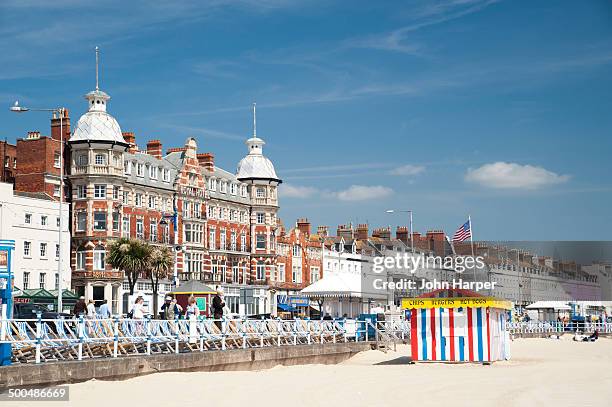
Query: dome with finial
{"x":255,"y":166}
{"x":96,"y":124}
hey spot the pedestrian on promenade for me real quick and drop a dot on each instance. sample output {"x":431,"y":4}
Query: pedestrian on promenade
{"x":192,"y":308}
{"x":218,"y":304}
{"x":104,"y":311}
{"x":91,"y":309}
{"x":138,"y":311}
{"x":171,"y":309}
{"x":80,"y":307}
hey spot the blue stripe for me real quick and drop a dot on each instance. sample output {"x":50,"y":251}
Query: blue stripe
{"x":442,"y":338}
{"x":461,"y":348}
{"x":479,"y":333}
{"x":424,"y":332}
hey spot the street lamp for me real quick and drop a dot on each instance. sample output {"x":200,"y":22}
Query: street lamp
{"x":176,"y":248}
{"x":60,"y":111}
{"x":409,"y":212}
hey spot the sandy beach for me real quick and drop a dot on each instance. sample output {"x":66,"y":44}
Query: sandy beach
{"x":541,"y":372}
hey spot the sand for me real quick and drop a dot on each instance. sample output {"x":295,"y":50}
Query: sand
{"x":542,"y":372}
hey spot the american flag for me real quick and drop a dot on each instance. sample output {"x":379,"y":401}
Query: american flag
{"x":464,"y":232}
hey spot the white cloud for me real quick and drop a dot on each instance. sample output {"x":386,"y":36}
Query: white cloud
{"x":504,"y":175}
{"x":407,"y":170}
{"x":296,"y":191}
{"x":363,"y":193}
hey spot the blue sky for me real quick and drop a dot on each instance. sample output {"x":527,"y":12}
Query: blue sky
{"x":498,"y":109}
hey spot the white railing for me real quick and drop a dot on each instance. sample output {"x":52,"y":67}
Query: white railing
{"x":555,"y":327}
{"x":42,"y":340}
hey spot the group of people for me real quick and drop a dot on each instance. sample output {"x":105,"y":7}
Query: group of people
{"x":171,"y":309}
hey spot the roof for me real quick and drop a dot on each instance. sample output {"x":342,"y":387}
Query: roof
{"x":255,"y":166}
{"x":194,"y":287}
{"x":221,"y":174}
{"x":334,"y":285}
{"x":148,"y":159}
{"x":96,"y":124}
{"x":557,"y":305}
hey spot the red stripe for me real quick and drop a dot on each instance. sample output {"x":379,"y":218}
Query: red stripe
{"x":488,"y":336}
{"x":433,"y":333}
{"x":451,"y":333}
{"x":470,"y":335}
{"x":414,"y":342}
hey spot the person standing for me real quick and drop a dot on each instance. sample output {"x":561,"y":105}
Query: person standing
{"x":217,"y":305}
{"x":138,"y":311}
{"x":192,"y":308}
{"x":91,"y":309}
{"x":104,"y":311}
{"x":80,"y":307}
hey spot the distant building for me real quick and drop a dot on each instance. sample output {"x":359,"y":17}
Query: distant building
{"x":32,"y":220}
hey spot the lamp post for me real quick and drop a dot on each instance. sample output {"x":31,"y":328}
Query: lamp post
{"x":409,"y":212}
{"x":60,"y":111}
{"x":176,"y":248}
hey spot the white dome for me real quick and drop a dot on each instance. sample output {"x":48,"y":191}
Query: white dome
{"x":96,"y":124}
{"x":255,"y":165}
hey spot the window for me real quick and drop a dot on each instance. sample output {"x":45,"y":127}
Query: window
{"x":260,"y":270}
{"x":314,"y":274}
{"x":43,"y":250}
{"x":261,"y":217}
{"x":127,"y":167}
{"x":165,"y":233}
{"x":153,"y":230}
{"x":56,"y":190}
{"x":243,"y":242}
{"x":223,"y":187}
{"x":222,"y":239}
{"x":235,"y":274}
{"x":233,"y":188}
{"x":99,"y":258}
{"x":166,"y":175}
{"x":43,"y":220}
{"x":57,"y":221}
{"x":138,"y":199}
{"x":261,"y":242}
{"x":151,"y":202}
{"x":212,"y":184}
{"x":126,"y":226}
{"x":261,"y":193}
{"x":100,"y":191}
{"x":26,"y":249}
{"x":81,"y":191}
{"x":99,"y":220}
{"x":115,"y":192}
{"x":115,"y":221}
{"x":41,"y":280}
{"x":56,"y":160}
{"x":211,"y":239}
{"x":57,"y":251}
{"x":281,"y":272}
{"x":126,"y":198}
{"x":140,"y":169}
{"x":81,"y":222}
{"x":193,"y":233}
{"x":297,"y":250}
{"x":296,"y":274}
{"x":139,"y":228}
{"x":82,"y":160}
{"x":100,"y":159}
{"x":28,"y":218}
{"x":233,"y":241}
{"x":26,"y":280}
{"x":243,"y":190}
{"x":153,"y":172}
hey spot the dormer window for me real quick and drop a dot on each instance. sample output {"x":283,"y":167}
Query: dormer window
{"x":223,"y":187}
{"x":233,"y":188}
{"x":212,"y":184}
{"x":100,"y":159}
{"x":140,"y":169}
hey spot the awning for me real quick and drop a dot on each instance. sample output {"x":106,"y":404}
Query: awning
{"x":334,"y":285}
{"x":556,"y":305}
{"x":286,"y":307}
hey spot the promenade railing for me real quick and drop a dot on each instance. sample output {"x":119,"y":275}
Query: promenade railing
{"x":40,"y":340}
{"x":558,"y":327}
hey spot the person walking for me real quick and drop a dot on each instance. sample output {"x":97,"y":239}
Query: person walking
{"x":91,"y":309}
{"x":104,"y":311}
{"x":192,"y":308}
{"x":171,"y":309}
{"x":217,"y":305}
{"x":80,"y":307}
{"x":138,"y":311}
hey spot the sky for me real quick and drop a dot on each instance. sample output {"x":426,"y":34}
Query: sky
{"x":495,"y":109}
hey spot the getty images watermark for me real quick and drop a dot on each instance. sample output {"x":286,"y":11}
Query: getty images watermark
{"x":408,"y":264}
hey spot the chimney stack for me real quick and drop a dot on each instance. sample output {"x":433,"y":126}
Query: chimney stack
{"x":362,"y":232}
{"x":154,"y":148}
{"x":401,"y":233}
{"x":382,"y":233}
{"x":303,"y":226}
{"x":207,"y":160}
{"x":33,"y":135}
{"x":130,"y":138}
{"x":345,"y":231}
{"x":323,"y":231}
{"x":65,"y":124}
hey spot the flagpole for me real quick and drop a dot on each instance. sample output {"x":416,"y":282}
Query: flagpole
{"x":472,"y":243}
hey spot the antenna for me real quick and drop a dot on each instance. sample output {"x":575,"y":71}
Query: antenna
{"x":97,"y":63}
{"x":254,"y":120}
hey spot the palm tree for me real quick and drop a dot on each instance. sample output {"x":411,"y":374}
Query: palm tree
{"x":160,"y":262}
{"x":131,"y":256}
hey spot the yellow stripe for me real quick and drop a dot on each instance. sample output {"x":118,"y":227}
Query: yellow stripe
{"x":472,"y":302}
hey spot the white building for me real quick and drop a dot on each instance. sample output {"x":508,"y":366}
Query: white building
{"x":32,"y":220}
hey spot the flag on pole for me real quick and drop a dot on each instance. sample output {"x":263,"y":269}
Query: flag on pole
{"x":464,"y":232}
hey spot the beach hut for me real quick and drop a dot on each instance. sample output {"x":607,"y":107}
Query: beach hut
{"x":459,"y":329}
{"x":202,"y":293}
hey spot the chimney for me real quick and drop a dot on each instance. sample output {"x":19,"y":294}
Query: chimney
{"x":154,"y":148}
{"x":207,"y":161}
{"x":304,"y":226}
{"x":382,"y":233}
{"x":33,"y":135}
{"x":323,"y":231}
{"x":362,"y":232}
{"x":401,"y":233}
{"x":130,"y":138}
{"x":345,"y":231}
{"x":65,"y":124}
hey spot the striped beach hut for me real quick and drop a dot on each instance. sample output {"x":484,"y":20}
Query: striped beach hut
{"x":460,"y":329}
